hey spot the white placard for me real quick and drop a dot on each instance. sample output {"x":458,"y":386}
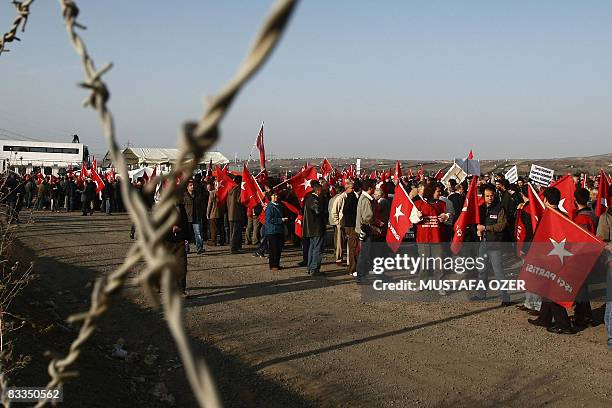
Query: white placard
{"x":541,"y":175}
{"x":512,"y":174}
{"x":455,"y":172}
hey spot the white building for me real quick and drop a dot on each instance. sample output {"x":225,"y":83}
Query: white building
{"x":136,"y":157}
{"x":49,"y":156}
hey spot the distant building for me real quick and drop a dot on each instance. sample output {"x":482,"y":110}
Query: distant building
{"x":50,"y":157}
{"x":164,"y":157}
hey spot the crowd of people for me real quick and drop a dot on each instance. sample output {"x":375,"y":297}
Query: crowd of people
{"x":347,"y":215}
{"x":61,"y":193}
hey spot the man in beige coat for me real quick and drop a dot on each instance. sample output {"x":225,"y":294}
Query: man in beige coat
{"x":336,"y":205}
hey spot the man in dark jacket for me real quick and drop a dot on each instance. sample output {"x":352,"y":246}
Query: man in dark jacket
{"x":107,"y":196}
{"x":492,"y":230}
{"x":175,"y":243}
{"x":87,"y":195}
{"x":193,"y":210}
{"x":234,"y":216}
{"x":69,"y":193}
{"x":349,"y":219}
{"x":313,"y":227}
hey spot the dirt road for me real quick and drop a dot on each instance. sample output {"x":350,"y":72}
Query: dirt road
{"x":288,"y":339}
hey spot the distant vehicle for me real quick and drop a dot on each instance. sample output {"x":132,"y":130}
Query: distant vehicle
{"x":50,"y":157}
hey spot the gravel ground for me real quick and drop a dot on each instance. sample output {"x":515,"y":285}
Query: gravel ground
{"x":287,"y":339}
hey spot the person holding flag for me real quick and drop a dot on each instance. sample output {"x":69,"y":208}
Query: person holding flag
{"x":87,"y":196}
{"x":491,"y":229}
{"x":604,"y":232}
{"x":550,"y":311}
{"x":274,"y":230}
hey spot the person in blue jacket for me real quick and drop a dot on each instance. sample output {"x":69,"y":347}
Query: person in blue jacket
{"x":274,"y":230}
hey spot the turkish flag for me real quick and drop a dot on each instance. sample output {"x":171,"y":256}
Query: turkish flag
{"x":84,"y":173}
{"x":439,"y":175}
{"x":469,"y":215}
{"x":301,"y":182}
{"x":420,"y":174}
{"x":398,"y":171}
{"x":567,"y":188}
{"x":326,"y":168}
{"x":250,"y":193}
{"x":560,"y":258}
{"x":470,"y":155}
{"x":603,"y":194}
{"x":224,"y":185}
{"x":97,"y":179}
{"x":260,"y":146}
{"x":520,"y":231}
{"x":402,"y":211}
{"x":298,"y":225}
{"x":410,"y":174}
{"x":262,"y":177}
{"x":535,"y":207}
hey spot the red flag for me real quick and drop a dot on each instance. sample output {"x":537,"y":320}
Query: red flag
{"x":326,"y":168}
{"x":470,"y":155}
{"x":70,"y":171}
{"x":567,"y":188}
{"x":560,"y":258}
{"x":420,"y":174}
{"x":398,"y":171}
{"x":520,"y":231}
{"x":470,"y":214}
{"x":535,"y":208}
{"x":603,"y":194}
{"x":250,"y":193}
{"x":402,"y":210}
{"x":260,"y":146}
{"x":301,"y":182}
{"x":262,"y":177}
{"x":290,"y":207}
{"x":410,"y":173}
{"x":224,"y":185}
{"x":145,"y":176}
{"x":97,"y":179}
{"x":298,"y":225}
{"x":94,"y":166}
{"x":439,"y":175}
{"x":84,"y":174}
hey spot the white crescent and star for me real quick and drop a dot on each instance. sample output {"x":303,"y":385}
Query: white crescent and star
{"x":561,"y":205}
{"x":306,"y":183}
{"x":559,"y":249}
{"x":398,"y":213}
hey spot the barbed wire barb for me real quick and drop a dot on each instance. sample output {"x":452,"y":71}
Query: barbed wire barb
{"x":20,"y":21}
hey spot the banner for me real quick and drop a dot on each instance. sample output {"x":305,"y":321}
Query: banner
{"x":512,"y":174}
{"x":541,"y":175}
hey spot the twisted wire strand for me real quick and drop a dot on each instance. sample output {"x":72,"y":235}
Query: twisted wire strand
{"x":23,"y":12}
{"x":196,"y":139}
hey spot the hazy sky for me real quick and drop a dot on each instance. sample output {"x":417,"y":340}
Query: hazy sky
{"x":391,"y":79}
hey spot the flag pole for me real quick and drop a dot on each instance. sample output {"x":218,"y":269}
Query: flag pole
{"x":254,"y":144}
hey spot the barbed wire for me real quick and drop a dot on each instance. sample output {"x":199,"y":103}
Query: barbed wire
{"x":196,"y":139}
{"x":23,"y":12}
